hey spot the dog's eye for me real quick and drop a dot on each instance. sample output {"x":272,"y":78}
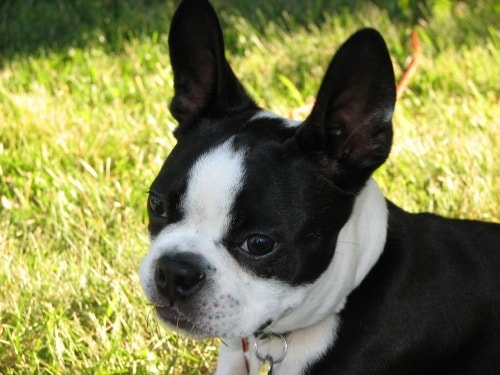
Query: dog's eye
{"x":258,"y":244}
{"x":157,"y":205}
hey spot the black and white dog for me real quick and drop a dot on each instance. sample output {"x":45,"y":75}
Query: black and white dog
{"x":271,"y":234}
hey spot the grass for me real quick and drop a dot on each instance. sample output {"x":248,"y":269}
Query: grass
{"x":84,"y":127}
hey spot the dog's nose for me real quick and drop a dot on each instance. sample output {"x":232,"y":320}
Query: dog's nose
{"x":178,"y":276}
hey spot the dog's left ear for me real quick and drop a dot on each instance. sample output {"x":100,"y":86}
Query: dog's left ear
{"x":204,"y":83}
{"x":349,"y":131}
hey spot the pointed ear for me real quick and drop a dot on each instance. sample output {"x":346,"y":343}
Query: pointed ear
{"x":349,"y":130}
{"x":204,"y":84}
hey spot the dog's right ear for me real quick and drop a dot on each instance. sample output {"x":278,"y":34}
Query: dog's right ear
{"x":204,"y":83}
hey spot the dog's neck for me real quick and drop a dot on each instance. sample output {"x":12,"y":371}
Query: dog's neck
{"x":366,"y":231}
{"x":311,"y":329}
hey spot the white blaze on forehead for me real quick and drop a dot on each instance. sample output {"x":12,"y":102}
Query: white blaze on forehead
{"x":213,"y":183}
{"x":265,"y":114}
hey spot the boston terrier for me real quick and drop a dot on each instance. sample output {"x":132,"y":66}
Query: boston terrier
{"x":272,"y":235}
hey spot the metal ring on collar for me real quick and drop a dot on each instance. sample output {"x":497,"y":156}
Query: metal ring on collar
{"x":266,"y":336}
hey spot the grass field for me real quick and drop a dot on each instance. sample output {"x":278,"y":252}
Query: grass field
{"x":84,"y":127}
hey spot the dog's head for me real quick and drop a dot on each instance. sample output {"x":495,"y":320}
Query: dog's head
{"x":246,"y":211}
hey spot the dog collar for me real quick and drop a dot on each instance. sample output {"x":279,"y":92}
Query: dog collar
{"x":267,"y":359}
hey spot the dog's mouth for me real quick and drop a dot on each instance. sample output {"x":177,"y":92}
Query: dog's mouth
{"x":172,"y":316}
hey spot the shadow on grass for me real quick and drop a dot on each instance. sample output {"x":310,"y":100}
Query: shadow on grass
{"x":38,"y":26}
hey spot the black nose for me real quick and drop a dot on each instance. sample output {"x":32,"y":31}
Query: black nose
{"x":178,"y":276}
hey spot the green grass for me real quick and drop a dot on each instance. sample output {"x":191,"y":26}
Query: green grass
{"x":84,"y":127}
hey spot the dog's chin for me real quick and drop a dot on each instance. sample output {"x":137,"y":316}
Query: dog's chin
{"x":173,"y":319}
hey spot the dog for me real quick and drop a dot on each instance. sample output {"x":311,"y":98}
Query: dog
{"x":272,"y":235}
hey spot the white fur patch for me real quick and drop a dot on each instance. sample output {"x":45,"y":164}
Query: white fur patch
{"x":213,"y":184}
{"x":265,"y":114}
